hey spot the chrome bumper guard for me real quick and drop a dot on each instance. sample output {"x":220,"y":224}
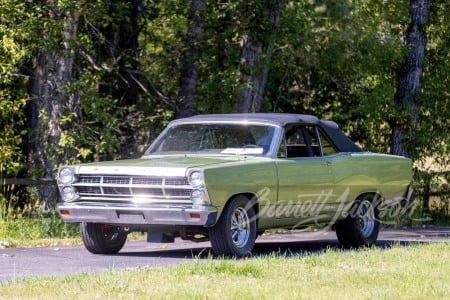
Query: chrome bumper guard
{"x":132,"y":215}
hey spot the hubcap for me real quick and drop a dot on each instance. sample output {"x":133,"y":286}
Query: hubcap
{"x":366,"y":218}
{"x":240,"y":227}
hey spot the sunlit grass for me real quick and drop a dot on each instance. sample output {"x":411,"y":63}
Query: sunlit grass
{"x":43,"y":230}
{"x":412,"y":272}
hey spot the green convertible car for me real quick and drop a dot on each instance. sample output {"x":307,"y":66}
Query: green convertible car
{"x":227,"y":178}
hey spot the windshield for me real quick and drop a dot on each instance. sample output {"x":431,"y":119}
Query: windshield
{"x":245,"y":139}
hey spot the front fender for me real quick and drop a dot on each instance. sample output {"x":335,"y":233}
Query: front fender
{"x":259,"y":179}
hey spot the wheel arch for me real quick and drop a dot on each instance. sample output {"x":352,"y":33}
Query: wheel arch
{"x":375,"y":195}
{"x":253,"y":201}
{"x":235,"y":232}
{"x":362,"y":223}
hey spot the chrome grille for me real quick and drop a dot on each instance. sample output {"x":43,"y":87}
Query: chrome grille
{"x":89,"y":179}
{"x":116,"y":180}
{"x":89,"y":190}
{"x":178,"y":192}
{"x":177,"y":181}
{"x":147,"y":180}
{"x":149,"y":189}
{"x":116,"y":190}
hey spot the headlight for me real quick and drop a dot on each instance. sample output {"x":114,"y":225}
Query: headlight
{"x":66,"y":175}
{"x":68,"y":194}
{"x":196,"y":178}
{"x":199,"y":197}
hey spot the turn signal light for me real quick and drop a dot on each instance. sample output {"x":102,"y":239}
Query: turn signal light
{"x":64,"y":213}
{"x":195,"y":216}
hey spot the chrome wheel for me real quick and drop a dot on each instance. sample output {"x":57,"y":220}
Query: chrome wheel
{"x":235,"y":232}
{"x":367,"y":218}
{"x":362,"y":225}
{"x":240,"y":227}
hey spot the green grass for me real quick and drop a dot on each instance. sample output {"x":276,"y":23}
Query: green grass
{"x":42,"y":230}
{"x":32,"y":223}
{"x":412,"y":272}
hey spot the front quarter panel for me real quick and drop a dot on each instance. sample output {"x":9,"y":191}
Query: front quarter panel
{"x":253,"y":176}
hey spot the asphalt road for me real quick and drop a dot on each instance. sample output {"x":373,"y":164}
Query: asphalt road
{"x":17,"y":263}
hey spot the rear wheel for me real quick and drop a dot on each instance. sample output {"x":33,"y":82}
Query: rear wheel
{"x":102,"y":238}
{"x":235,"y":232}
{"x":361,"y":226}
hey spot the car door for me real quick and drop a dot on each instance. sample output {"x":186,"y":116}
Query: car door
{"x":305,"y":178}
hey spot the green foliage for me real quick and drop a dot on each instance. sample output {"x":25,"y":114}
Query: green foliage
{"x":432,"y":196}
{"x":16,"y":26}
{"x":100,"y":131}
{"x":162,"y":46}
{"x":12,"y":135}
{"x":20,"y":229}
{"x":21,"y":222}
{"x":337,"y":59}
{"x":433,"y":138}
{"x":16,"y":45}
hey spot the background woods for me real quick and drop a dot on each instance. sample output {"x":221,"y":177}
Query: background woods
{"x":94,"y":80}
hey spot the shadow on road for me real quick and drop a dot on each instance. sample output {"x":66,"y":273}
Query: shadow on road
{"x":26,"y":262}
{"x":281,"y":249}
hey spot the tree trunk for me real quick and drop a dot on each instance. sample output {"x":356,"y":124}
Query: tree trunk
{"x":403,"y":128}
{"x":189,"y":68}
{"x":256,"y":52}
{"x":52,"y":71}
{"x":253,"y":79}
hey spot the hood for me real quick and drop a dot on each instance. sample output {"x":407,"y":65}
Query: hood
{"x":154,"y":165}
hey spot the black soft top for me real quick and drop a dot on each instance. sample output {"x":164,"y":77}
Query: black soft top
{"x":330,"y":128}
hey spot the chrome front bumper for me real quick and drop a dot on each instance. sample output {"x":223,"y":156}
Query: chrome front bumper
{"x":135,"y":215}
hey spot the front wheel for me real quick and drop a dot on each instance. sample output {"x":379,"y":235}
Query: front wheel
{"x":235,"y":232}
{"x":102,"y":238}
{"x":361,"y":226}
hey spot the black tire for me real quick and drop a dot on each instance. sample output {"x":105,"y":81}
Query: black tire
{"x":102,"y":238}
{"x":235,"y":232}
{"x":361,"y":226}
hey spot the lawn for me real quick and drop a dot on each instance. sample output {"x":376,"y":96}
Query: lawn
{"x":416,"y":271}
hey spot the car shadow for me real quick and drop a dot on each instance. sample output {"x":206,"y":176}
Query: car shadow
{"x":261,"y":249}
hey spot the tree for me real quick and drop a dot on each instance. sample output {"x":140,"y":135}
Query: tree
{"x":52,"y":71}
{"x":16,"y":26}
{"x":101,"y":78}
{"x":189,"y":60}
{"x":119,"y":54}
{"x":432,"y":138}
{"x":404,"y":126}
{"x":256,"y":42}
